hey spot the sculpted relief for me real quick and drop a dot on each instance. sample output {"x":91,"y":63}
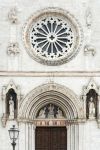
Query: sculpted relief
{"x":50,"y":111}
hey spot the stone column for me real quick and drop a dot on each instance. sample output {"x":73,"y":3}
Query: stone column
{"x":98,"y":107}
{"x":4,"y":100}
{"x":84,"y":104}
{"x":81,"y":136}
{"x":21,"y":139}
{"x":29,"y":137}
{"x":76,"y":136}
{"x":26,"y":137}
{"x":68,"y":137}
{"x":72,"y":137}
{"x":33,"y":136}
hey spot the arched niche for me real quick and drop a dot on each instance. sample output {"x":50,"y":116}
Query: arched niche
{"x":91,"y":94}
{"x":11,"y":93}
{"x":91,"y":91}
{"x":52,"y":93}
{"x":8,"y":91}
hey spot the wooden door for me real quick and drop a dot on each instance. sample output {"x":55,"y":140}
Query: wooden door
{"x":51,"y":138}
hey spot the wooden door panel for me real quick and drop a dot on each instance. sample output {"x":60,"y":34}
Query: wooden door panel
{"x":42,"y":139}
{"x":59,"y":139}
{"x":51,"y":138}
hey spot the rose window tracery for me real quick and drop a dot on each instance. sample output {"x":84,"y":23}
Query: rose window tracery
{"x":52,"y":37}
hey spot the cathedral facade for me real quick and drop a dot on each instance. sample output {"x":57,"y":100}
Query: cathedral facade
{"x":50,"y":74}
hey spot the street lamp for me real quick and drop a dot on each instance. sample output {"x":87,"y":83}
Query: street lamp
{"x":13,"y":133}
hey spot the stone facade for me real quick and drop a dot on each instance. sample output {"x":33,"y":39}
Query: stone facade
{"x":35,"y":85}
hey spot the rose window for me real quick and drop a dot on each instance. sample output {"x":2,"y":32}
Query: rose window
{"x":51,"y":38}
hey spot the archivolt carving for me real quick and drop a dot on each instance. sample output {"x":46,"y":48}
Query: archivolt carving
{"x":51,"y":93}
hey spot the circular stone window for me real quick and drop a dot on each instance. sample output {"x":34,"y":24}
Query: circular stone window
{"x":52,"y":37}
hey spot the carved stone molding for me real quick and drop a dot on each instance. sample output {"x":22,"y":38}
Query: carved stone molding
{"x":49,"y":74}
{"x":13,"y":49}
{"x":12,"y":15}
{"x":5,"y":89}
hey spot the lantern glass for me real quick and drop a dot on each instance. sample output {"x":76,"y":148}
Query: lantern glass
{"x":13,"y":133}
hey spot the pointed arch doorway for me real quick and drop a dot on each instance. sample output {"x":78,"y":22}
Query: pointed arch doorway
{"x":51,"y":138}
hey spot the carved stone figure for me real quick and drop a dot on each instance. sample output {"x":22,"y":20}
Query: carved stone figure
{"x":60,"y":114}
{"x":91,"y":109}
{"x":50,"y":111}
{"x":11,"y":108}
{"x":42,"y":113}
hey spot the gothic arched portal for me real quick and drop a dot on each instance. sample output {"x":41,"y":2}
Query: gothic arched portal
{"x":51,"y":97}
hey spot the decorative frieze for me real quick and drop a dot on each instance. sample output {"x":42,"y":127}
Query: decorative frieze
{"x":56,"y":122}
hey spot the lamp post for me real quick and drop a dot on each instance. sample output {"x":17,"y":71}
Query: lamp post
{"x":13,"y":133}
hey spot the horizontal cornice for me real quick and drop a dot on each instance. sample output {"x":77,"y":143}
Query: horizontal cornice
{"x":50,"y":74}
